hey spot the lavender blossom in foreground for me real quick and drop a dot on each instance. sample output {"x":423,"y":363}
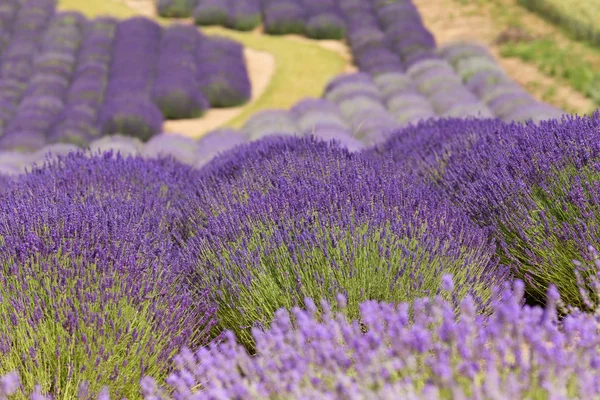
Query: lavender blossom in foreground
{"x":410,"y":351}
{"x":287,"y":217}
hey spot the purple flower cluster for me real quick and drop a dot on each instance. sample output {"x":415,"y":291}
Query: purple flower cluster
{"x":423,"y":350}
{"x":221,"y":72}
{"x":78,"y":122}
{"x":314,"y":219}
{"x":128,"y":108}
{"x":17,"y":65}
{"x":175,"y":90}
{"x":93,"y":286}
{"x":535,"y":184}
{"x":484,"y":77}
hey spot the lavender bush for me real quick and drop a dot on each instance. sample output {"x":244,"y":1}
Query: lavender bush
{"x":424,"y":350}
{"x":92,"y":289}
{"x":534,"y":184}
{"x":283,"y":17}
{"x":175,"y":8}
{"x":314,"y":219}
{"x":244,"y":15}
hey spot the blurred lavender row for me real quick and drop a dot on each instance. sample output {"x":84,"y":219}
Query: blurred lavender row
{"x":487,"y":80}
{"x":17,"y":63}
{"x":66,"y":79}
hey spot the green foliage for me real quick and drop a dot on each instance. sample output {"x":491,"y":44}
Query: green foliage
{"x":368,"y":264}
{"x":559,"y":62}
{"x":113,"y":341}
{"x":549,"y":228}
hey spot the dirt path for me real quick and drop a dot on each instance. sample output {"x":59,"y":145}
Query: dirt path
{"x":450,"y":21}
{"x":261,"y":67}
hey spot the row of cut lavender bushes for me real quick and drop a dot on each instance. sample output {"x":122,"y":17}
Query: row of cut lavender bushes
{"x":319,"y":19}
{"x":64,"y":78}
{"x":357,"y":111}
{"x":125,"y":261}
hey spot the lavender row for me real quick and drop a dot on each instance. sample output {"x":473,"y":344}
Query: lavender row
{"x":46,"y":92}
{"x":221,"y":72}
{"x":17,"y":59}
{"x":242,"y":15}
{"x":8,"y":14}
{"x":185,"y":150}
{"x":415,"y":351}
{"x":128,"y":107}
{"x":175,"y":90}
{"x":483,"y":76}
{"x":78,"y":122}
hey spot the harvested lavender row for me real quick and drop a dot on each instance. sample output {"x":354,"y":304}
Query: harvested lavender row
{"x":444,"y":89}
{"x":128,"y":108}
{"x":78,"y":122}
{"x":323,"y":119}
{"x":366,"y":39}
{"x":188,"y":151}
{"x":176,"y":91}
{"x":404,"y":30}
{"x":221,"y":72}
{"x":270,"y":122}
{"x":402,"y":98}
{"x":283,"y":17}
{"x":215,"y":143}
{"x":360,"y":103}
{"x":30,"y":23}
{"x":484,"y":77}
{"x":46,"y":92}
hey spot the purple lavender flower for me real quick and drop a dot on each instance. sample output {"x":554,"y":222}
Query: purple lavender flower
{"x":315,"y":218}
{"x":93,"y":285}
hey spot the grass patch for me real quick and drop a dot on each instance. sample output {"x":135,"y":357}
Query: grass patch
{"x":558,"y":61}
{"x":301,"y":70}
{"x":94,"y":8}
{"x":580,"y":18}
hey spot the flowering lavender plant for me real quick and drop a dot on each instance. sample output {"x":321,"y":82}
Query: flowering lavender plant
{"x":313,"y":219}
{"x":430,"y":349}
{"x":90,"y":281}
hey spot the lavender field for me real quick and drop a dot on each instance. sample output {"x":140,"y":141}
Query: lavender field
{"x":426,"y":229}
